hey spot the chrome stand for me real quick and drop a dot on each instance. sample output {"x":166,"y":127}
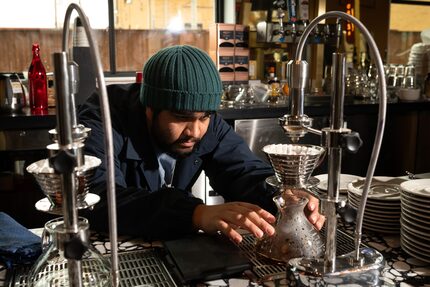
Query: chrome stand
{"x":66,"y":156}
{"x":335,"y":138}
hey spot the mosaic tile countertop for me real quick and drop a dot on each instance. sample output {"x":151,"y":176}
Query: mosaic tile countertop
{"x":401,"y":269}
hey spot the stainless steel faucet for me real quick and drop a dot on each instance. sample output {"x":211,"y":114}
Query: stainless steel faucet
{"x":335,"y":138}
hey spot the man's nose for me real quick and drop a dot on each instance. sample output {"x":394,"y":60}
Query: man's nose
{"x":193,"y":129}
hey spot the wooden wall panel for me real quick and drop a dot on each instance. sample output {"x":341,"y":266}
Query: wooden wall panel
{"x":133,"y":47}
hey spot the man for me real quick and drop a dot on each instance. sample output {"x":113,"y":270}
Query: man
{"x":166,"y":132}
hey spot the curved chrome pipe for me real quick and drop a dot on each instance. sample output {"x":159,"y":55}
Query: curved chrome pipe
{"x":382,"y":106}
{"x":106,"y":127}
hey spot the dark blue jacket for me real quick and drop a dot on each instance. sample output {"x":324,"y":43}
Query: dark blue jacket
{"x":144,"y":210}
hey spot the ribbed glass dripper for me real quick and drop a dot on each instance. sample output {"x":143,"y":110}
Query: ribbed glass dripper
{"x":293,"y":164}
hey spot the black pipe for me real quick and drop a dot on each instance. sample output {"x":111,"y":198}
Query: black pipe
{"x":219,"y":11}
{"x":112,"y":51}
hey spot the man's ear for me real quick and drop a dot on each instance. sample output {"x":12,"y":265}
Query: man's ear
{"x":149,"y":114}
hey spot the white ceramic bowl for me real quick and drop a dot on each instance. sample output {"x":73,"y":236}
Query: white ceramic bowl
{"x":409,"y":94}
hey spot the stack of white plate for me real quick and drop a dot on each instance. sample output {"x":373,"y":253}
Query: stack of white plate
{"x":415,"y":218}
{"x":418,"y":58}
{"x":345,"y":179}
{"x":382,"y":212}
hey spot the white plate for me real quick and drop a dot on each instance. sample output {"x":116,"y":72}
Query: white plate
{"x":414,"y":213}
{"x":420,"y":187}
{"x":344,"y":180}
{"x":407,"y":247}
{"x":422,"y":234}
{"x":386,"y":205}
{"x":379,"y":211}
{"x":381,"y":188}
{"x":411,"y":216}
{"x":381,"y":229}
{"x":411,"y":238}
{"x":416,"y":203}
{"x":424,"y":212}
{"x":416,"y":225}
{"x":45,"y":205}
{"x":414,"y":198}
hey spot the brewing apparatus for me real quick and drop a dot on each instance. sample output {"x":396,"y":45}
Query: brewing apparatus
{"x":64,"y":178}
{"x":294,"y":235}
{"x":363,"y":266}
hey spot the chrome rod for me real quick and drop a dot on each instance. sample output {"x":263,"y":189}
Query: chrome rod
{"x":334,"y":158}
{"x":65,"y":142}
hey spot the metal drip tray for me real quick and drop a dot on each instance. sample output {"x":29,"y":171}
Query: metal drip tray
{"x":266,"y":270}
{"x":137,"y":268}
{"x":146,"y":268}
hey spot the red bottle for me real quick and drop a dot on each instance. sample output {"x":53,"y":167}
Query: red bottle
{"x":37,"y":84}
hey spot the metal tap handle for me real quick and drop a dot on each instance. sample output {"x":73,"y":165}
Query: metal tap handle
{"x":351,"y":142}
{"x":347,"y":212}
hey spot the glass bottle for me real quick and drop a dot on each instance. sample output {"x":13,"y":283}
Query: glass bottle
{"x":294,"y":235}
{"x":274,"y":89}
{"x":37,"y":83}
{"x":50,"y":268}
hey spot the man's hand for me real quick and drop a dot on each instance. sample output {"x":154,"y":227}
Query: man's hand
{"x":311,"y":210}
{"x":228,"y":217}
{"x":313,"y":214}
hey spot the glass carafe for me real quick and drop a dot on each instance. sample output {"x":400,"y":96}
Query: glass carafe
{"x":51,"y":267}
{"x":294,"y":235}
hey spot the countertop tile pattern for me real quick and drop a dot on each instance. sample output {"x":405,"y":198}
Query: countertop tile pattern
{"x":401,"y":269}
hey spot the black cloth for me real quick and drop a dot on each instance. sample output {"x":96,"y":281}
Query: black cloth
{"x":145,"y":210}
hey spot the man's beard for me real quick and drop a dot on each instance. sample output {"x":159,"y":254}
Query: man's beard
{"x":172,"y":148}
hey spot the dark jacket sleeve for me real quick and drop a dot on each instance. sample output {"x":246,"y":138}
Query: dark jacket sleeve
{"x":163,"y":214}
{"x":236,"y":172}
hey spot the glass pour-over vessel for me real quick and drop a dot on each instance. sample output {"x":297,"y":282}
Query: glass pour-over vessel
{"x":51,"y":267}
{"x":294,"y":235}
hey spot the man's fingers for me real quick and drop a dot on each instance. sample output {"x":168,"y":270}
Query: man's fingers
{"x":250,"y":220}
{"x":229,"y":231}
{"x":320,"y":222}
{"x":261,"y":212}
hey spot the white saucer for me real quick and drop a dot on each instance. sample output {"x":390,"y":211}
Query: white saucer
{"x":381,"y":188}
{"x":45,"y":205}
{"x":273,"y":181}
{"x":419,"y":187}
{"x":345,"y":179}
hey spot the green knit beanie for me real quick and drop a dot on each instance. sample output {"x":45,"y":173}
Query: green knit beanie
{"x":182,"y":78}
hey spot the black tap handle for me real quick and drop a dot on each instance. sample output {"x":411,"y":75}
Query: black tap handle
{"x":63,"y":162}
{"x":347,"y":212}
{"x":351,"y":142}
